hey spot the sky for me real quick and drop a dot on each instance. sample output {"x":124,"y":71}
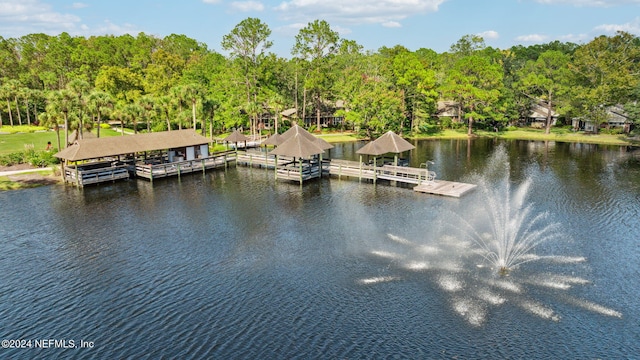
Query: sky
{"x":414,"y":24}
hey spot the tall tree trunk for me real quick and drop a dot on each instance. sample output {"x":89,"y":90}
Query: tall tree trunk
{"x":35,"y":112}
{"x":57,"y":128}
{"x":469,"y":132}
{"x":9,"y":109}
{"x":18,"y":110}
{"x":66,"y":130}
{"x":547,"y":129}
{"x":99,"y":121}
{"x":304,"y":105}
{"x":26,"y":106}
{"x":193,"y":114}
{"x":318,"y":125}
{"x":121,"y":126}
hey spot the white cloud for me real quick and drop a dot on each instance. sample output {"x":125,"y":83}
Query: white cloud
{"x":211,"y":1}
{"x":79,"y":5}
{"x":29,"y":16}
{"x":632,"y":27}
{"x":391,"y":24}
{"x":35,"y":16}
{"x":590,"y":3}
{"x":489,"y":35}
{"x":532,"y":38}
{"x":246,"y":6}
{"x":388,"y":13}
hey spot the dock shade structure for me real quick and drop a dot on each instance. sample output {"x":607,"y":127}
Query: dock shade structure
{"x":303,"y":150}
{"x":147,"y":155}
{"x":273,"y":140}
{"x":235,"y":137}
{"x":390,"y":142}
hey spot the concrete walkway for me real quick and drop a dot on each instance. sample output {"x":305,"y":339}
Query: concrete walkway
{"x":14,"y":172}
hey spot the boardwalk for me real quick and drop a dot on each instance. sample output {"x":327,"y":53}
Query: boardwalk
{"x":423,"y":178}
{"x":446,"y":188}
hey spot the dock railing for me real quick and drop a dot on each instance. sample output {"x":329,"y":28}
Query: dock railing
{"x":81,"y":177}
{"x":177,"y":168}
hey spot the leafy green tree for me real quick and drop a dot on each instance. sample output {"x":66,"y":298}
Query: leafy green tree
{"x":315,"y":44}
{"x":133,"y":112}
{"x":148,"y":105}
{"x":475,"y":83}
{"x":247,"y":43}
{"x":100,"y":104}
{"x":62,"y":103}
{"x":606,"y":73}
{"x":546,"y":78}
{"x":121,"y":83}
{"x":80,"y":89}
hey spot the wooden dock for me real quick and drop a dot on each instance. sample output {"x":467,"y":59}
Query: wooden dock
{"x":423,"y":178}
{"x":178,"y":168}
{"x":445,"y":188}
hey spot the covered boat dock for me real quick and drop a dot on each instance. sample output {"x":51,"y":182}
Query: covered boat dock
{"x":149,"y":156}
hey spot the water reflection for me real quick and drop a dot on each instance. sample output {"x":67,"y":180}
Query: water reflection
{"x":237,"y":264}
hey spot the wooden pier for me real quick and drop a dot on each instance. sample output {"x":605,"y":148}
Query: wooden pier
{"x":178,"y":168}
{"x":94,"y":173}
{"x":445,"y":188}
{"x":423,"y":178}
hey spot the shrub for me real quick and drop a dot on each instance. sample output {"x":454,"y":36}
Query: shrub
{"x":105,"y":126}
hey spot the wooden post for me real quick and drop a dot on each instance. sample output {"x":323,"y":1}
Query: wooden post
{"x":151,"y":173}
{"x":203,"y":168}
{"x":300,"y":171}
{"x":77,"y":176}
{"x":276,"y":167}
{"x":360,"y":177}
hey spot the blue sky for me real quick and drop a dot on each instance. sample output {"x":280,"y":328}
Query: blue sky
{"x":433,"y":24}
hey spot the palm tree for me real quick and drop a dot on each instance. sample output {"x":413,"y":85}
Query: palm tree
{"x":133,"y":112}
{"x":177,"y":97}
{"x":99,"y":103}
{"x":26,"y":94}
{"x":51,"y":119}
{"x":209,"y":107}
{"x":164,"y":105}
{"x":5,"y":93}
{"x":119,"y":113}
{"x":191,"y":93}
{"x":80,"y":89}
{"x":147,"y":103}
{"x":62,"y":102}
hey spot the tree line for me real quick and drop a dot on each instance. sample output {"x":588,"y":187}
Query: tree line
{"x":153,"y":84}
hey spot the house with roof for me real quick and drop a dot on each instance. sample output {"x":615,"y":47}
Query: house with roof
{"x":616,"y":118}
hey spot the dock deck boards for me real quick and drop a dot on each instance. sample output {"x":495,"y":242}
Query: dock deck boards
{"x":445,"y":188}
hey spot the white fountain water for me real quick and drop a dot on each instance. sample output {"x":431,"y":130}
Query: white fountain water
{"x":472,"y":253}
{"x":515,"y":229}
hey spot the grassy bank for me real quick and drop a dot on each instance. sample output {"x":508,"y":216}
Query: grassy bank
{"x":29,"y":180}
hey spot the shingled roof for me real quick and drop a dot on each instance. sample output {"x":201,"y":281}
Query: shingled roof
{"x":86,"y":149}
{"x":387,"y":143}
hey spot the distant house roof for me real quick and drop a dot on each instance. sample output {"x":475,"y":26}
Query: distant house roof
{"x":448,"y":108}
{"x":236,"y":136}
{"x":387,"y":143}
{"x":288,"y":112}
{"x":540,"y":111}
{"x":85,"y":149}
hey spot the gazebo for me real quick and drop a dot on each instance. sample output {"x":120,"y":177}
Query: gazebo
{"x":235,"y":137}
{"x":299,"y":144}
{"x":390,"y":142}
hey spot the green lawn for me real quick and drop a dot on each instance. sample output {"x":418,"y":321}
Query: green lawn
{"x":12,"y":141}
{"x":16,"y":142}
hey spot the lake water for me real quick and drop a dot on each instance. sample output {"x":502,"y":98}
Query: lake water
{"x":235,"y":264}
